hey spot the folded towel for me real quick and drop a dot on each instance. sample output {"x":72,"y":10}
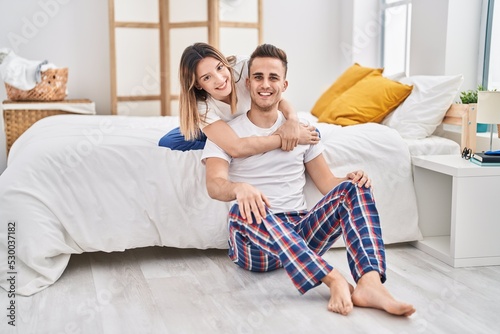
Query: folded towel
{"x":19,"y":72}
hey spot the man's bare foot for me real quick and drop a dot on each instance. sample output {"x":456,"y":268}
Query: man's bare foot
{"x":371,"y":293}
{"x":340,"y":293}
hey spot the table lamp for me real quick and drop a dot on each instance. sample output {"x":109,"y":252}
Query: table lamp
{"x":488,"y":110}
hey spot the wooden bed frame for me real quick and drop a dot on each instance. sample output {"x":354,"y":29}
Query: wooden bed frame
{"x":463,"y":115}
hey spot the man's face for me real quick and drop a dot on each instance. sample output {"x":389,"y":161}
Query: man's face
{"x":266,"y":81}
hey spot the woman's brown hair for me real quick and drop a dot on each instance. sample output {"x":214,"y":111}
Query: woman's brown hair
{"x":189,"y":97}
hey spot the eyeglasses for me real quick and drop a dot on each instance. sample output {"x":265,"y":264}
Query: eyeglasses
{"x":466,"y":153}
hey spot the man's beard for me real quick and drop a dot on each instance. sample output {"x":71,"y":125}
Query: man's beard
{"x":265,"y":108}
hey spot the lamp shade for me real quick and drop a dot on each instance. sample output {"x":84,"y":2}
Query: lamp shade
{"x":488,"y":107}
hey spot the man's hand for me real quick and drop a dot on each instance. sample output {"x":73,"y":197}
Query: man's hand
{"x":251,"y":200}
{"x":359,"y":178}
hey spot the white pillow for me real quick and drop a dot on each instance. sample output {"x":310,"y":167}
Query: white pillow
{"x":422,"y":112}
{"x":395,"y":76}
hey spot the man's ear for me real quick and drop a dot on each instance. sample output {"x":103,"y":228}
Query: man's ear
{"x":248,"y":83}
{"x":285,"y":85}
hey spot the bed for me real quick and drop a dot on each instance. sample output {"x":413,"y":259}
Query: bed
{"x":79,"y":183}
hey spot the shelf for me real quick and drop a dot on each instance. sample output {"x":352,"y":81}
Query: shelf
{"x":439,"y":247}
{"x":457,"y":201}
{"x":454,"y":165}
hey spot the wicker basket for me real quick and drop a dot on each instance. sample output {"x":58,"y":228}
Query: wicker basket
{"x":18,"y":121}
{"x":51,"y":88}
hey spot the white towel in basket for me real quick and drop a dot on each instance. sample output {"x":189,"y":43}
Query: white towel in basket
{"x":21,"y":73}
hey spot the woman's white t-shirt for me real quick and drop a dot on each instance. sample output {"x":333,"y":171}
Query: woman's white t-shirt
{"x":213,"y":110}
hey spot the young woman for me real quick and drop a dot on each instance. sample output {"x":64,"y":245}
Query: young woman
{"x":213,"y":91}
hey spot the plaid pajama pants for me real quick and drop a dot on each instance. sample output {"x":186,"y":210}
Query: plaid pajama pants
{"x":296,"y":240}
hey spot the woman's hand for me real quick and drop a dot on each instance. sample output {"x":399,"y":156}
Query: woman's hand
{"x":359,"y":178}
{"x":290,"y":134}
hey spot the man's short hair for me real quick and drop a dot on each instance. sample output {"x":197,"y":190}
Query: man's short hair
{"x":269,"y":51}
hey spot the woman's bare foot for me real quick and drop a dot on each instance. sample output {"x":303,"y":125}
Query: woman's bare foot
{"x":340,"y":293}
{"x":371,"y":293}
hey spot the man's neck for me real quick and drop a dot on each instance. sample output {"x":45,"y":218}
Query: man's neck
{"x":263,"y":119}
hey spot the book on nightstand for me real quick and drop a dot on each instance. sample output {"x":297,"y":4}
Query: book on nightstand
{"x":483,"y":164}
{"x":483,"y":157}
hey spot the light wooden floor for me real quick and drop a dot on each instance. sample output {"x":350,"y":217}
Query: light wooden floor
{"x":165,"y":290}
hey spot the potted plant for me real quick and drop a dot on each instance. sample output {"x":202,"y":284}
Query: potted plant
{"x":470,"y":97}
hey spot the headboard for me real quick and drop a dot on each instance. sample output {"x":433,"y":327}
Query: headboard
{"x":463,"y":115}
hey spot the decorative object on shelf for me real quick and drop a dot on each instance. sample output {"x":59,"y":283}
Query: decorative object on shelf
{"x":470,"y":97}
{"x":485,"y":164}
{"x":488,"y":110}
{"x":31,"y":80}
{"x":489,"y":158}
{"x":52,"y":87}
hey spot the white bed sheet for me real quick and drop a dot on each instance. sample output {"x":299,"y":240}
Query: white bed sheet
{"x":100,"y":183}
{"x":433,"y":145}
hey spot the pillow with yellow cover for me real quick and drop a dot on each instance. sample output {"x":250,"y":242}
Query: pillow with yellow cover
{"x":346,"y":80}
{"x":369,"y":100}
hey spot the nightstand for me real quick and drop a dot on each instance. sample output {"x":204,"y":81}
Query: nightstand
{"x":20,"y":115}
{"x":458,"y":210}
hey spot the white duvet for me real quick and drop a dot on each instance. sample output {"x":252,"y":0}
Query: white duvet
{"x":100,"y":183}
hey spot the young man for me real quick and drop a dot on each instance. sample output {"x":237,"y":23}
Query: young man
{"x":269,"y":225}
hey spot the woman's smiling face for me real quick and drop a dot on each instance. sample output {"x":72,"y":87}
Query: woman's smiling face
{"x":215,"y":78}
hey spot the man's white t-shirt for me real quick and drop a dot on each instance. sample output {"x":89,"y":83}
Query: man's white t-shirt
{"x":214,"y":110}
{"x":278,"y":174}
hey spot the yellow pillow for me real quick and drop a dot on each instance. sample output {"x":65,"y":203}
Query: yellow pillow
{"x":346,"y":80}
{"x":369,"y":100}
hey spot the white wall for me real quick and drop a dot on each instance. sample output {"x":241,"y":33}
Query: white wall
{"x":308,"y":32}
{"x":68,"y":33}
{"x":428,"y":37}
{"x":360,"y":33}
{"x":445,"y":40}
{"x":462,"y":44}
